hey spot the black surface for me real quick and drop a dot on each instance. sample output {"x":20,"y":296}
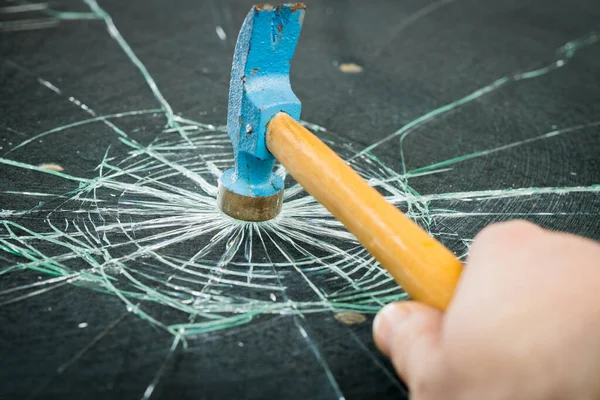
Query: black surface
{"x":414,"y":61}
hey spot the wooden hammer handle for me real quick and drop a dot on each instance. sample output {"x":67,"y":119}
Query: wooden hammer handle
{"x":426,"y":269}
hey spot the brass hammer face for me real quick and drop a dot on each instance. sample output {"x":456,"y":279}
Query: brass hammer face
{"x":247,"y":208}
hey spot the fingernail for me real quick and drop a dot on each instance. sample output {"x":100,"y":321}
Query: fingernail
{"x":385,"y":322}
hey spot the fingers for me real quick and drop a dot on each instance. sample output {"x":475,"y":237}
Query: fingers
{"x":408,"y":333}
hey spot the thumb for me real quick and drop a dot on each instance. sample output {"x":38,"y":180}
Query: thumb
{"x":408,"y":332}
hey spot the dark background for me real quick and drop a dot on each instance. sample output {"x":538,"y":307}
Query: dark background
{"x":416,"y":56}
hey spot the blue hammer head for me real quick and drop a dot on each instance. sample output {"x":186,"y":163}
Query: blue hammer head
{"x":259,"y":89}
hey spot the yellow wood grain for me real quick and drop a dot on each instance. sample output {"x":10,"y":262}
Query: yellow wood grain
{"x":426,"y":269}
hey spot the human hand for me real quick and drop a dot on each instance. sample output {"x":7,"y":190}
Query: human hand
{"x":524,"y":323}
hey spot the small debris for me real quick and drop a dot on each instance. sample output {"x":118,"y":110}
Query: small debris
{"x":350,"y":68}
{"x":350,"y":318}
{"x":220,"y":32}
{"x":241,"y":344}
{"x":82,"y":325}
{"x":272,"y":297}
{"x":51,"y":167}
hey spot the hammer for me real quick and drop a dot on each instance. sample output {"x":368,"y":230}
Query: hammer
{"x":262,"y":124}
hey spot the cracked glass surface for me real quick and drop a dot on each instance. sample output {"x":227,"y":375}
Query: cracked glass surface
{"x":139,"y":223}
